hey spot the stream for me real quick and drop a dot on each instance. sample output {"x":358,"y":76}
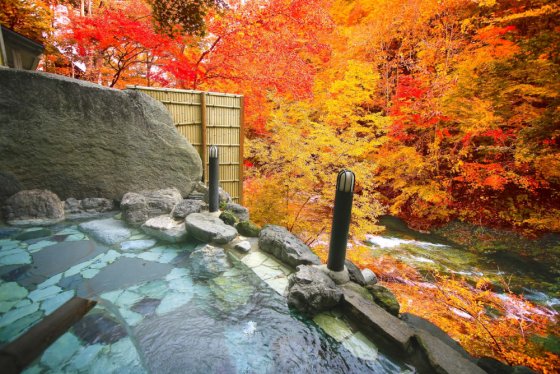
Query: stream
{"x":530,"y":267}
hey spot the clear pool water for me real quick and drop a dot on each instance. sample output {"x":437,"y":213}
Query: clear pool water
{"x":153,"y":316}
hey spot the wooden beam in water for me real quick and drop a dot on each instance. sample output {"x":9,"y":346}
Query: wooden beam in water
{"x":17,"y":355}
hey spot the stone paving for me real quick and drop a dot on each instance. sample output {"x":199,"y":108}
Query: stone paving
{"x":132,"y":279}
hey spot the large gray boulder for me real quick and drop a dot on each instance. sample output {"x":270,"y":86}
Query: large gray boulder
{"x":9,"y":186}
{"x":208,"y":228}
{"x":286,"y":247}
{"x":34,"y":207}
{"x":137,"y":208}
{"x":311,"y":291}
{"x":80,"y":139}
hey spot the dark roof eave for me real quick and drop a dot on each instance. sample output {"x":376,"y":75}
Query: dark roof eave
{"x":22,"y":40}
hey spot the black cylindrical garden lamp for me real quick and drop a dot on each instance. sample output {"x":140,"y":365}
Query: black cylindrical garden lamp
{"x":341,"y":220}
{"x":213,"y":179}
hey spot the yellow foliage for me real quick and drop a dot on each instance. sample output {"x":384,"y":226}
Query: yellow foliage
{"x":298,"y":163}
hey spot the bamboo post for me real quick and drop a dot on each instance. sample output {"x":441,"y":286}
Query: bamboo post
{"x":204,"y":134}
{"x":241,"y":146}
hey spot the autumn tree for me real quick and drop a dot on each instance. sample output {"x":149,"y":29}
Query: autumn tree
{"x":31,"y":18}
{"x":505,"y":106}
{"x":304,"y":158}
{"x":176,"y":16}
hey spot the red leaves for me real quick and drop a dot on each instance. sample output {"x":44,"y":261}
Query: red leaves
{"x":443,"y":133}
{"x":492,"y":34}
{"x":498,"y":46}
{"x":498,"y":135}
{"x":409,"y":88}
{"x":413,"y":111}
{"x":484,"y":175}
{"x":495,"y":182}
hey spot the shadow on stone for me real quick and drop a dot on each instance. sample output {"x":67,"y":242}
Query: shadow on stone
{"x":99,"y":328}
{"x":124,"y":272}
{"x":60,"y":257}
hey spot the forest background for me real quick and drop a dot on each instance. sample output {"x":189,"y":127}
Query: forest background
{"x":445,"y":110}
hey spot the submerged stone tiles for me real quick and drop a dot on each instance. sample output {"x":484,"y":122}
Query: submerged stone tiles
{"x":139,"y":286}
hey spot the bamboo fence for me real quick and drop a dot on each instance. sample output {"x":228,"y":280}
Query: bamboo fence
{"x":205,"y":119}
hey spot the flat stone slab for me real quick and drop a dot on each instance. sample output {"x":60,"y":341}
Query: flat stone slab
{"x":107,"y":231}
{"x":138,"y":245}
{"x":166,"y":228}
{"x":419,"y":323}
{"x":60,"y":257}
{"x":374,"y":318}
{"x":122,"y":273}
{"x":208,"y":228}
{"x":443,"y":358}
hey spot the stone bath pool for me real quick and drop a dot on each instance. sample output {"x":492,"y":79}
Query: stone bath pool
{"x":154,"y":316}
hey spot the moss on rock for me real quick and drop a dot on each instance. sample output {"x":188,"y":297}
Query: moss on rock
{"x":229,"y":218}
{"x":248,"y":228}
{"x":385,"y":299}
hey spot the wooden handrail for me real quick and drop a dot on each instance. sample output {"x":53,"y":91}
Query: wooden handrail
{"x":17,"y":355}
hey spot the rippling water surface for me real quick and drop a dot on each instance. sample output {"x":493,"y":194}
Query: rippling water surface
{"x":153,"y":316}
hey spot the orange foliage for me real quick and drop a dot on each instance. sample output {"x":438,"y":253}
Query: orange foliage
{"x":483,"y":322}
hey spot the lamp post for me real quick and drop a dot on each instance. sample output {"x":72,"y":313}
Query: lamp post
{"x":213,"y":179}
{"x":341,"y":220}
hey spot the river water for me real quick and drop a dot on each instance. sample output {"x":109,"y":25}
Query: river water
{"x":530,"y":267}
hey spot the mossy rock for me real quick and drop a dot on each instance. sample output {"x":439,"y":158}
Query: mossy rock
{"x":229,"y":218}
{"x":248,"y":228}
{"x":385,"y":299}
